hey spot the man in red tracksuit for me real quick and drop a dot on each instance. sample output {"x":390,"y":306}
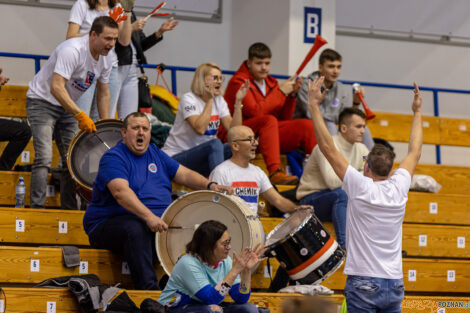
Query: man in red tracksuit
{"x":267,"y":110}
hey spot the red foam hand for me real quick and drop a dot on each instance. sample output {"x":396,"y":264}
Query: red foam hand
{"x":116,"y":14}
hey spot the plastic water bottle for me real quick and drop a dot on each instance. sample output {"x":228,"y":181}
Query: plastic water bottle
{"x":20,"y":192}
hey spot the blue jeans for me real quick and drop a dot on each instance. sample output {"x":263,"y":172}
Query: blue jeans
{"x":87,"y":102}
{"x":330,"y":205}
{"x":205,"y":157}
{"x":227,"y":308}
{"x":373,"y":295}
{"x":50,"y":121}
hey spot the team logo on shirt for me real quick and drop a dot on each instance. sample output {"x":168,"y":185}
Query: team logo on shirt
{"x":189,"y":108}
{"x":83,"y":85}
{"x":334,"y":103}
{"x":247,"y":190}
{"x":152,"y":167}
{"x":213,"y":126}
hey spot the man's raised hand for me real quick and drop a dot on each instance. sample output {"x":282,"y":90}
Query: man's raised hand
{"x":416,"y":106}
{"x":315,"y":95}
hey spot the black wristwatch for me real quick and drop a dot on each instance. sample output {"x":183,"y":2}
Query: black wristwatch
{"x":210,"y":184}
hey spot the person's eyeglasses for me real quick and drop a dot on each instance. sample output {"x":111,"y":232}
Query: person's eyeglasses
{"x":364,"y":158}
{"x":226,"y":243}
{"x":217,"y":78}
{"x":252,"y":140}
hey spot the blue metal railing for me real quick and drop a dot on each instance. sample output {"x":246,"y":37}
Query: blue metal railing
{"x":37,"y":58}
{"x":174,"y":69}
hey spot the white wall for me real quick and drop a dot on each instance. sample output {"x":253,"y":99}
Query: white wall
{"x":39,"y":30}
{"x":264,"y":21}
{"x":395,"y":62}
{"x":276,"y":22}
{"x":297,"y":48}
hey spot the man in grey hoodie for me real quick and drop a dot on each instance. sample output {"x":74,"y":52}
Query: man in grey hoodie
{"x":338,"y":97}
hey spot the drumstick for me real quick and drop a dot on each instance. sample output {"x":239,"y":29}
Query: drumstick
{"x":102,"y":140}
{"x":183,"y":227}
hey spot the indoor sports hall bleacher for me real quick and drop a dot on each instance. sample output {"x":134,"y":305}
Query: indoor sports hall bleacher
{"x":436,"y":243}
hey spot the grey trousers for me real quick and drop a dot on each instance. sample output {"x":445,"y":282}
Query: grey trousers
{"x":49,"y":121}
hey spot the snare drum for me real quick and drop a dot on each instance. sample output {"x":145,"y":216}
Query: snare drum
{"x":193,"y":209}
{"x":86,"y":150}
{"x":304,"y":248}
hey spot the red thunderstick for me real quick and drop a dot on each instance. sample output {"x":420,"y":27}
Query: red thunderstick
{"x":369,"y":114}
{"x":319,"y":41}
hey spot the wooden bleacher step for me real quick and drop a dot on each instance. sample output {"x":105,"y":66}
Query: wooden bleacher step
{"x":8,"y":180}
{"x":436,"y":130}
{"x":31,"y":265}
{"x":34,"y":264}
{"x":437,"y":208}
{"x":13,"y":101}
{"x":51,"y":227}
{"x":29,"y":157}
{"x":420,"y":275}
{"x":25,"y":300}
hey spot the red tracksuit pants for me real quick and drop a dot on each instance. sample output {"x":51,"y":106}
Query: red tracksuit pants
{"x":276,"y":137}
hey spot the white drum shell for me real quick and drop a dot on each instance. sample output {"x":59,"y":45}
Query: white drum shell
{"x":193,"y":209}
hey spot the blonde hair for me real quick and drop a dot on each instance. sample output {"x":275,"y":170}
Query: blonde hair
{"x":197,"y":85}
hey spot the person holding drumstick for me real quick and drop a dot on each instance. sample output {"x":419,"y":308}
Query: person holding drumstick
{"x":131,"y":191}
{"x":375,"y":211}
{"x":205,"y":275}
{"x":51,"y":103}
{"x":248,"y":180}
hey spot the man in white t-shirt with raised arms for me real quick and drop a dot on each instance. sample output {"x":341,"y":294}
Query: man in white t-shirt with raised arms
{"x":375,"y":212}
{"x":51,"y":108}
{"x":248,"y":180}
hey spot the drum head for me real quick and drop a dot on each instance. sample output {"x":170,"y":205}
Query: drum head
{"x":197,"y":207}
{"x":86,"y":150}
{"x":288,"y":226}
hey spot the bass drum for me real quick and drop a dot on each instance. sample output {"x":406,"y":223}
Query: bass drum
{"x":86,"y":150}
{"x":304,"y":248}
{"x":193,"y":209}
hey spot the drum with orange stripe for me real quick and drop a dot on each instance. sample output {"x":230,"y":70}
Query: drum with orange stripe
{"x":304,"y":248}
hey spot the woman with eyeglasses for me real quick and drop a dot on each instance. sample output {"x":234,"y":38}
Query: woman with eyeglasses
{"x":205,"y":275}
{"x":192,"y":140}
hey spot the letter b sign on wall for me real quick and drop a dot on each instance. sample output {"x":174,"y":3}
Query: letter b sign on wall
{"x":312,"y":24}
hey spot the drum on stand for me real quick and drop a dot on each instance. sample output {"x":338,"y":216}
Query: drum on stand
{"x":304,"y":248}
{"x":193,"y":209}
{"x":86,"y":150}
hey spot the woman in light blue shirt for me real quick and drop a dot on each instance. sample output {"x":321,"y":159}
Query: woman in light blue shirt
{"x":206,"y":274}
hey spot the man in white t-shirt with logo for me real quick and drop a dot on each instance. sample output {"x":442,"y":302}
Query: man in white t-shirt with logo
{"x":50,"y":102}
{"x":375,"y":212}
{"x":248,"y":180}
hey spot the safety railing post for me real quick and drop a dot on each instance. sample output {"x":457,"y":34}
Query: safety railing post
{"x":37,"y":64}
{"x":435,"y":96}
{"x":173,"y":81}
